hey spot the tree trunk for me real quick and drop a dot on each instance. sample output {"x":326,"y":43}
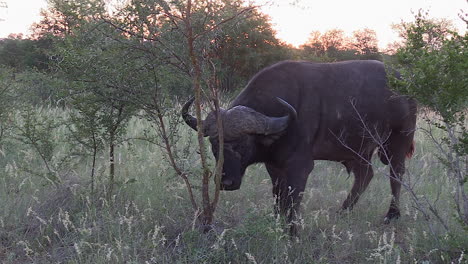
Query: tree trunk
{"x":93,"y":168}
{"x":207,"y":210}
{"x":111,"y":169}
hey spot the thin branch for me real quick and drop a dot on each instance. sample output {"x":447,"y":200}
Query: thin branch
{"x":376,"y":139}
{"x":245,"y":10}
{"x":220,"y":128}
{"x":170,"y":155}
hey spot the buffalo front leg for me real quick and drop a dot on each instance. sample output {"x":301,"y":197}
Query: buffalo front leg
{"x":288,"y":186}
{"x":363,"y":174}
{"x":279,"y":182}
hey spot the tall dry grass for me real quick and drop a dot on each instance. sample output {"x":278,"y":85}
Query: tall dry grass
{"x":150,"y":218}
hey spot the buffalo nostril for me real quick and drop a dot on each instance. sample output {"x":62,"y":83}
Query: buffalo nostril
{"x":227,"y":182}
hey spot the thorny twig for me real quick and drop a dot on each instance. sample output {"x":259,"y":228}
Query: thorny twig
{"x":376,"y":138}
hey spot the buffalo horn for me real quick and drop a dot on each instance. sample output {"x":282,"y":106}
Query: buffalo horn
{"x":189,"y":119}
{"x":279,"y":124}
{"x":244,"y":120}
{"x":291,"y":111}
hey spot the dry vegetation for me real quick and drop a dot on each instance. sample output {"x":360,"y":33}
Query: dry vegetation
{"x":89,"y":179}
{"x":150,"y":218}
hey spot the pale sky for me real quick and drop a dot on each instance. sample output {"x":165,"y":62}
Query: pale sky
{"x":293,"y":22}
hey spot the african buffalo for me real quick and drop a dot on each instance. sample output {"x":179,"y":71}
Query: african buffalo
{"x":293,"y":113}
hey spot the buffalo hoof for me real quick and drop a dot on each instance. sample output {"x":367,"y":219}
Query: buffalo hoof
{"x":343,"y":211}
{"x":393,"y":214}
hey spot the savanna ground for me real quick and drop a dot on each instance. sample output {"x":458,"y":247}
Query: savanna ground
{"x":150,"y":218}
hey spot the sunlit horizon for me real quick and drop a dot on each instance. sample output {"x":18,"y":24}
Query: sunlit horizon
{"x":308,"y":16}
{"x":293,"y":20}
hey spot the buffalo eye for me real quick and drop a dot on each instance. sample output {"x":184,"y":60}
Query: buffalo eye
{"x":233,"y":146}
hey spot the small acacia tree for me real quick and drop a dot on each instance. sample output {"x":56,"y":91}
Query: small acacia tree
{"x":97,"y":73}
{"x":186,"y":36}
{"x":433,"y":65}
{"x":22,"y":119}
{"x":87,"y":130}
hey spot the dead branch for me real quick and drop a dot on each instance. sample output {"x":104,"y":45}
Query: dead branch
{"x":168,"y":148}
{"x":219,"y":124}
{"x":376,"y":138}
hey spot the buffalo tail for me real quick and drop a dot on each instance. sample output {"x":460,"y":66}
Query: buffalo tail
{"x":410,"y":152}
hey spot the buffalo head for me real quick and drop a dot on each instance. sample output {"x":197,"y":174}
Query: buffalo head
{"x":244,"y":131}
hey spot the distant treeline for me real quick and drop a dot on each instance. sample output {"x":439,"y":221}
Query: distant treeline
{"x":74,"y":33}
{"x":236,"y":49}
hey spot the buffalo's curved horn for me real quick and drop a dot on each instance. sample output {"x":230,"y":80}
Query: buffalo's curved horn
{"x":241,"y":120}
{"x":278,"y":124}
{"x":189,"y":119}
{"x":291,"y":111}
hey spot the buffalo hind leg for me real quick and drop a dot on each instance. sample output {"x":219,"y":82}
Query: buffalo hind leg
{"x":398,"y":147}
{"x":397,"y":169}
{"x":363,"y":174}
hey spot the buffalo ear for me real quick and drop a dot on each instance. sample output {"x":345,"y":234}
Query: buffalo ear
{"x":267,"y":140}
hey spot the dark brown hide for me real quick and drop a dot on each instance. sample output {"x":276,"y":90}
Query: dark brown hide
{"x":345,"y":111}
